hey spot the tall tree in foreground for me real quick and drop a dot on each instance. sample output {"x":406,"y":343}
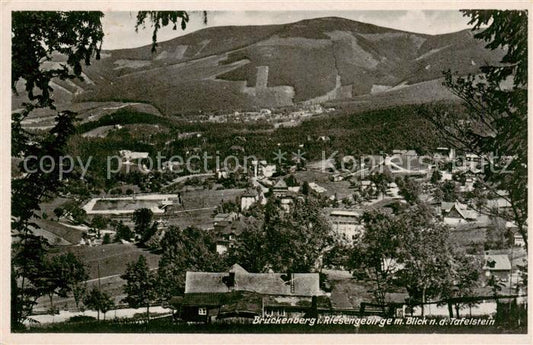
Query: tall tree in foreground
{"x":495,"y":123}
{"x":141,"y":285}
{"x":284,"y":240}
{"x":143,"y":223}
{"x":377,"y":251}
{"x":99,"y":301}
{"x":427,"y":255}
{"x":185,"y":250}
{"x":38,"y":37}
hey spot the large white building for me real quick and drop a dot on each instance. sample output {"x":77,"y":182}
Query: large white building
{"x":346,"y":223}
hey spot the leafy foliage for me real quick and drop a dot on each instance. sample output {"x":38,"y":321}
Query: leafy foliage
{"x":377,"y":251}
{"x":495,"y":124}
{"x":185,"y":250}
{"x":412,"y":251}
{"x":284,"y":241}
{"x":45,"y":46}
{"x":98,"y":300}
{"x":160,"y":19}
{"x":39,"y":35}
{"x":143,"y":223}
{"x":141,"y":285}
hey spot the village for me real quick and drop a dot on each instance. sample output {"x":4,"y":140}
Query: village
{"x":449,"y":184}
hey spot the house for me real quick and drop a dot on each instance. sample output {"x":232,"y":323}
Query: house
{"x":519,"y":240}
{"x":336,"y":177}
{"x":248,"y":198}
{"x":280,"y":187}
{"x":393,"y":190}
{"x":172,"y":166}
{"x":263,"y":169}
{"x":457,"y":213}
{"x":227,"y":232}
{"x":355,"y":298}
{"x":472,"y":161}
{"x":448,"y":154}
{"x":128,"y":156}
{"x":346,"y":223}
{"x":366,"y":184}
{"x":497,"y":265}
{"x":240,"y":296}
{"x":446,"y":176}
{"x":318,"y":189}
{"x":225,"y":217}
{"x":287,"y":199}
{"x":236,"y":148}
{"x":222,"y":173}
{"x":500,"y":204}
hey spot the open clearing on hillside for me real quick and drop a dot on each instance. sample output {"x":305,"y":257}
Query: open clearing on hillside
{"x":111,"y":259}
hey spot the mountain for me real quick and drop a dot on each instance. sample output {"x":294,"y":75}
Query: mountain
{"x":243,"y":67}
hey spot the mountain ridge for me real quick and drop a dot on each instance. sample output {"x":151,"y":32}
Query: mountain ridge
{"x":230,"y":68}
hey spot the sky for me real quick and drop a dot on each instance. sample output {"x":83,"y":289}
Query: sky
{"x":120,"y":33}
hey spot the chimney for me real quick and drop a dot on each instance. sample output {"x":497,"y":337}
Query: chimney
{"x":229,"y":280}
{"x":292,"y":282}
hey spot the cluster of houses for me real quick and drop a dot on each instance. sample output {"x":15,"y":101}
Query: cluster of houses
{"x":241,"y":296}
{"x":238,"y":295}
{"x":279,"y":119}
{"x":345,"y":220}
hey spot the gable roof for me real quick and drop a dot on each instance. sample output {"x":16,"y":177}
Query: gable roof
{"x":227,"y":228}
{"x":303,"y":284}
{"x":233,"y":302}
{"x":465,"y":212}
{"x":237,"y":268}
{"x":250,"y":193}
{"x":497,"y":262}
{"x":446,"y":206}
{"x":220,"y":217}
{"x":462,"y":210}
{"x":281,"y":184}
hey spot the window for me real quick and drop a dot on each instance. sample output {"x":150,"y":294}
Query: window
{"x":275,"y":312}
{"x":202,"y":311}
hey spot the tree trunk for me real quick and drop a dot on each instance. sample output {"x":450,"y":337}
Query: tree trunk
{"x":450,"y":309}
{"x":148,"y":313}
{"x":457,"y":308}
{"x":423,"y":300}
{"x":98,"y":315}
{"x":51,"y":296}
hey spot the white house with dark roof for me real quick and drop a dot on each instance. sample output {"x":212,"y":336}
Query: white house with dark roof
{"x":129,"y":156}
{"x":239,"y":294}
{"x":250,"y":197}
{"x":280,"y":187}
{"x":345,"y":223}
{"x":458,"y":213}
{"x":497,"y":265}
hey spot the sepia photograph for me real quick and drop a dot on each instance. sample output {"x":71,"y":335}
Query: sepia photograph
{"x":268,"y":172}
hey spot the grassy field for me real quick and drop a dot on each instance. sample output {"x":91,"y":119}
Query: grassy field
{"x":107,"y":262}
{"x":111,"y":259}
{"x":69,"y":234}
{"x":208,"y":198}
{"x":341,"y":188}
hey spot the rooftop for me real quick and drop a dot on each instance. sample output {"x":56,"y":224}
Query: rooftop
{"x":497,"y":262}
{"x":303,"y":284}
